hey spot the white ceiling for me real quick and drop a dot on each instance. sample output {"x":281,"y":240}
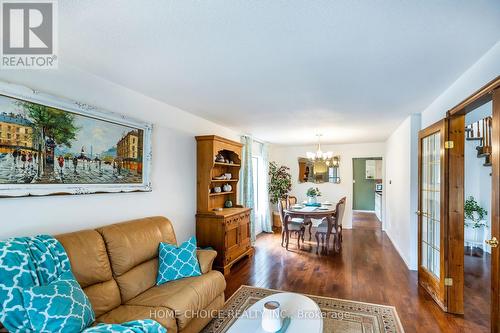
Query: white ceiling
{"x":283,"y":70}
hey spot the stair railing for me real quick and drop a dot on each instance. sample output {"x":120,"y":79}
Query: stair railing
{"x":481,"y":131}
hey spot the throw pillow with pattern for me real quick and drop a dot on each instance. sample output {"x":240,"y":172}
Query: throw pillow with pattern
{"x":177,"y":262}
{"x":60,"y":306}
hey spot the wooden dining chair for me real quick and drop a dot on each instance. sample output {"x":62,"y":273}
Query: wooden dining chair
{"x":292,"y":201}
{"x":322,"y":229}
{"x":289,"y":225}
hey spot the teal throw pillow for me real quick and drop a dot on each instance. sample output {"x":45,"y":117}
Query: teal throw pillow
{"x":60,"y":306}
{"x":177,"y":262}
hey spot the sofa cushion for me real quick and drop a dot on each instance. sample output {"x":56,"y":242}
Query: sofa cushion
{"x":126,"y":313}
{"x":178,"y":262}
{"x":212,"y":311}
{"x":134,"y":242}
{"x":87,"y":253}
{"x":103,"y":296}
{"x":90,"y":265}
{"x":138,"y":279}
{"x":131,"y":245}
{"x":185,"y":297}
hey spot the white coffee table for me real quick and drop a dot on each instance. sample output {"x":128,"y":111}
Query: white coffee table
{"x":305,"y":315}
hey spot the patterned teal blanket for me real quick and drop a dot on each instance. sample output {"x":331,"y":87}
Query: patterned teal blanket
{"x":28,"y":262}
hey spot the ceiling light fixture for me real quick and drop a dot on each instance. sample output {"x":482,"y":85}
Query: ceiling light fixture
{"x":319,"y":155}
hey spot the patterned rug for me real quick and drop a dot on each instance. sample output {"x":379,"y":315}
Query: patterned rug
{"x":339,"y":315}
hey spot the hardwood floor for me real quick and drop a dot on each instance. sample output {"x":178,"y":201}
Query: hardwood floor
{"x":368,"y":269}
{"x":477,"y":289}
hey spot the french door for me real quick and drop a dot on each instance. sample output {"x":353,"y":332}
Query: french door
{"x":441,"y":205}
{"x":431,"y":215}
{"x":440,"y":214}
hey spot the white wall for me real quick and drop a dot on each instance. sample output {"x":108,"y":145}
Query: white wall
{"x":484,"y":70}
{"x":477,"y":176}
{"x":288,"y":155}
{"x":402,"y":153}
{"x":173,"y":170}
{"x":401,"y":189}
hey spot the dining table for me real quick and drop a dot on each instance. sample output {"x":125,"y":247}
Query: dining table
{"x":309,"y":213}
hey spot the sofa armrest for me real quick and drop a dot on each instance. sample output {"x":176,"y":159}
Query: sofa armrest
{"x":206,"y":259}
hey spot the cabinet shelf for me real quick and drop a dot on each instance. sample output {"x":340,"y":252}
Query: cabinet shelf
{"x":220,"y":193}
{"x":227,"y":164}
{"x":224,"y":180}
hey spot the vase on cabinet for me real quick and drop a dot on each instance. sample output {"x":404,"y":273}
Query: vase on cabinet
{"x":227,"y":188}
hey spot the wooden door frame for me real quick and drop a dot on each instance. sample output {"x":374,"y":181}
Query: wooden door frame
{"x":430,"y":284}
{"x":456,"y":175}
{"x":495,"y":212}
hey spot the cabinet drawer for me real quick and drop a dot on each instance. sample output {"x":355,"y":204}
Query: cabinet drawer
{"x":244,"y":218}
{"x":232,"y":222}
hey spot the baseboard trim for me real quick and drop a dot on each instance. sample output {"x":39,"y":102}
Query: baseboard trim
{"x":363,"y":211}
{"x":400,"y":252}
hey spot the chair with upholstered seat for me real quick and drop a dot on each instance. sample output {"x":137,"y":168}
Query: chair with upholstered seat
{"x":295,"y":225}
{"x":289,"y":202}
{"x":322,"y":229}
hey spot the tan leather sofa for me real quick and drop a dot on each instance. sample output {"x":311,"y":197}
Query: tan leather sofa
{"x":116,"y":266}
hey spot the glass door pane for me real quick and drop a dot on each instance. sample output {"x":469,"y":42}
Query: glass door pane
{"x":430,"y":203}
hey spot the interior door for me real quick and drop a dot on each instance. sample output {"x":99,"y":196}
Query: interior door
{"x":432,"y":212}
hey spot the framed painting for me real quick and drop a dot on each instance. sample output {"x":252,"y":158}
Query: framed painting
{"x":50,"y":145}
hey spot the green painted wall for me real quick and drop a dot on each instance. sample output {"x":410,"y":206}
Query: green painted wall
{"x":364,"y":189}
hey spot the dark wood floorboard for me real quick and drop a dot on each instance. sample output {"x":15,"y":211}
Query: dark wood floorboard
{"x":477,"y":289}
{"x":369,"y":269}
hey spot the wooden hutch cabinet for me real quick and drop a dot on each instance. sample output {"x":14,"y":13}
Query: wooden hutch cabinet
{"x":227,"y":230}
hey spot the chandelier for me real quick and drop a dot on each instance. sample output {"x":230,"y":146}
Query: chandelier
{"x":322,"y":161}
{"x":319,"y":155}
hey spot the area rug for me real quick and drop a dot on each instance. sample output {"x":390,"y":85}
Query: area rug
{"x":339,"y":315}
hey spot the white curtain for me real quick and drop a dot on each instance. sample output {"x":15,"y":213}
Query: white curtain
{"x":246,"y":182}
{"x":265,"y":212}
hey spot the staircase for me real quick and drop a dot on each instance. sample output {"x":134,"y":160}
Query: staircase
{"x":481,"y":131}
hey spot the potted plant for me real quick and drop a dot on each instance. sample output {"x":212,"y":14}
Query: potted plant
{"x":474,"y":221}
{"x":312,"y":195}
{"x":280,"y":182}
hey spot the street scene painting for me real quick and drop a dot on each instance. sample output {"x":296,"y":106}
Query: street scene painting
{"x":41,"y":144}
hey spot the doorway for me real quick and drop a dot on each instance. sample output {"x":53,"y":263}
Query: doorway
{"x":477,"y":214}
{"x":367,"y":174}
{"x":442,"y":195}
